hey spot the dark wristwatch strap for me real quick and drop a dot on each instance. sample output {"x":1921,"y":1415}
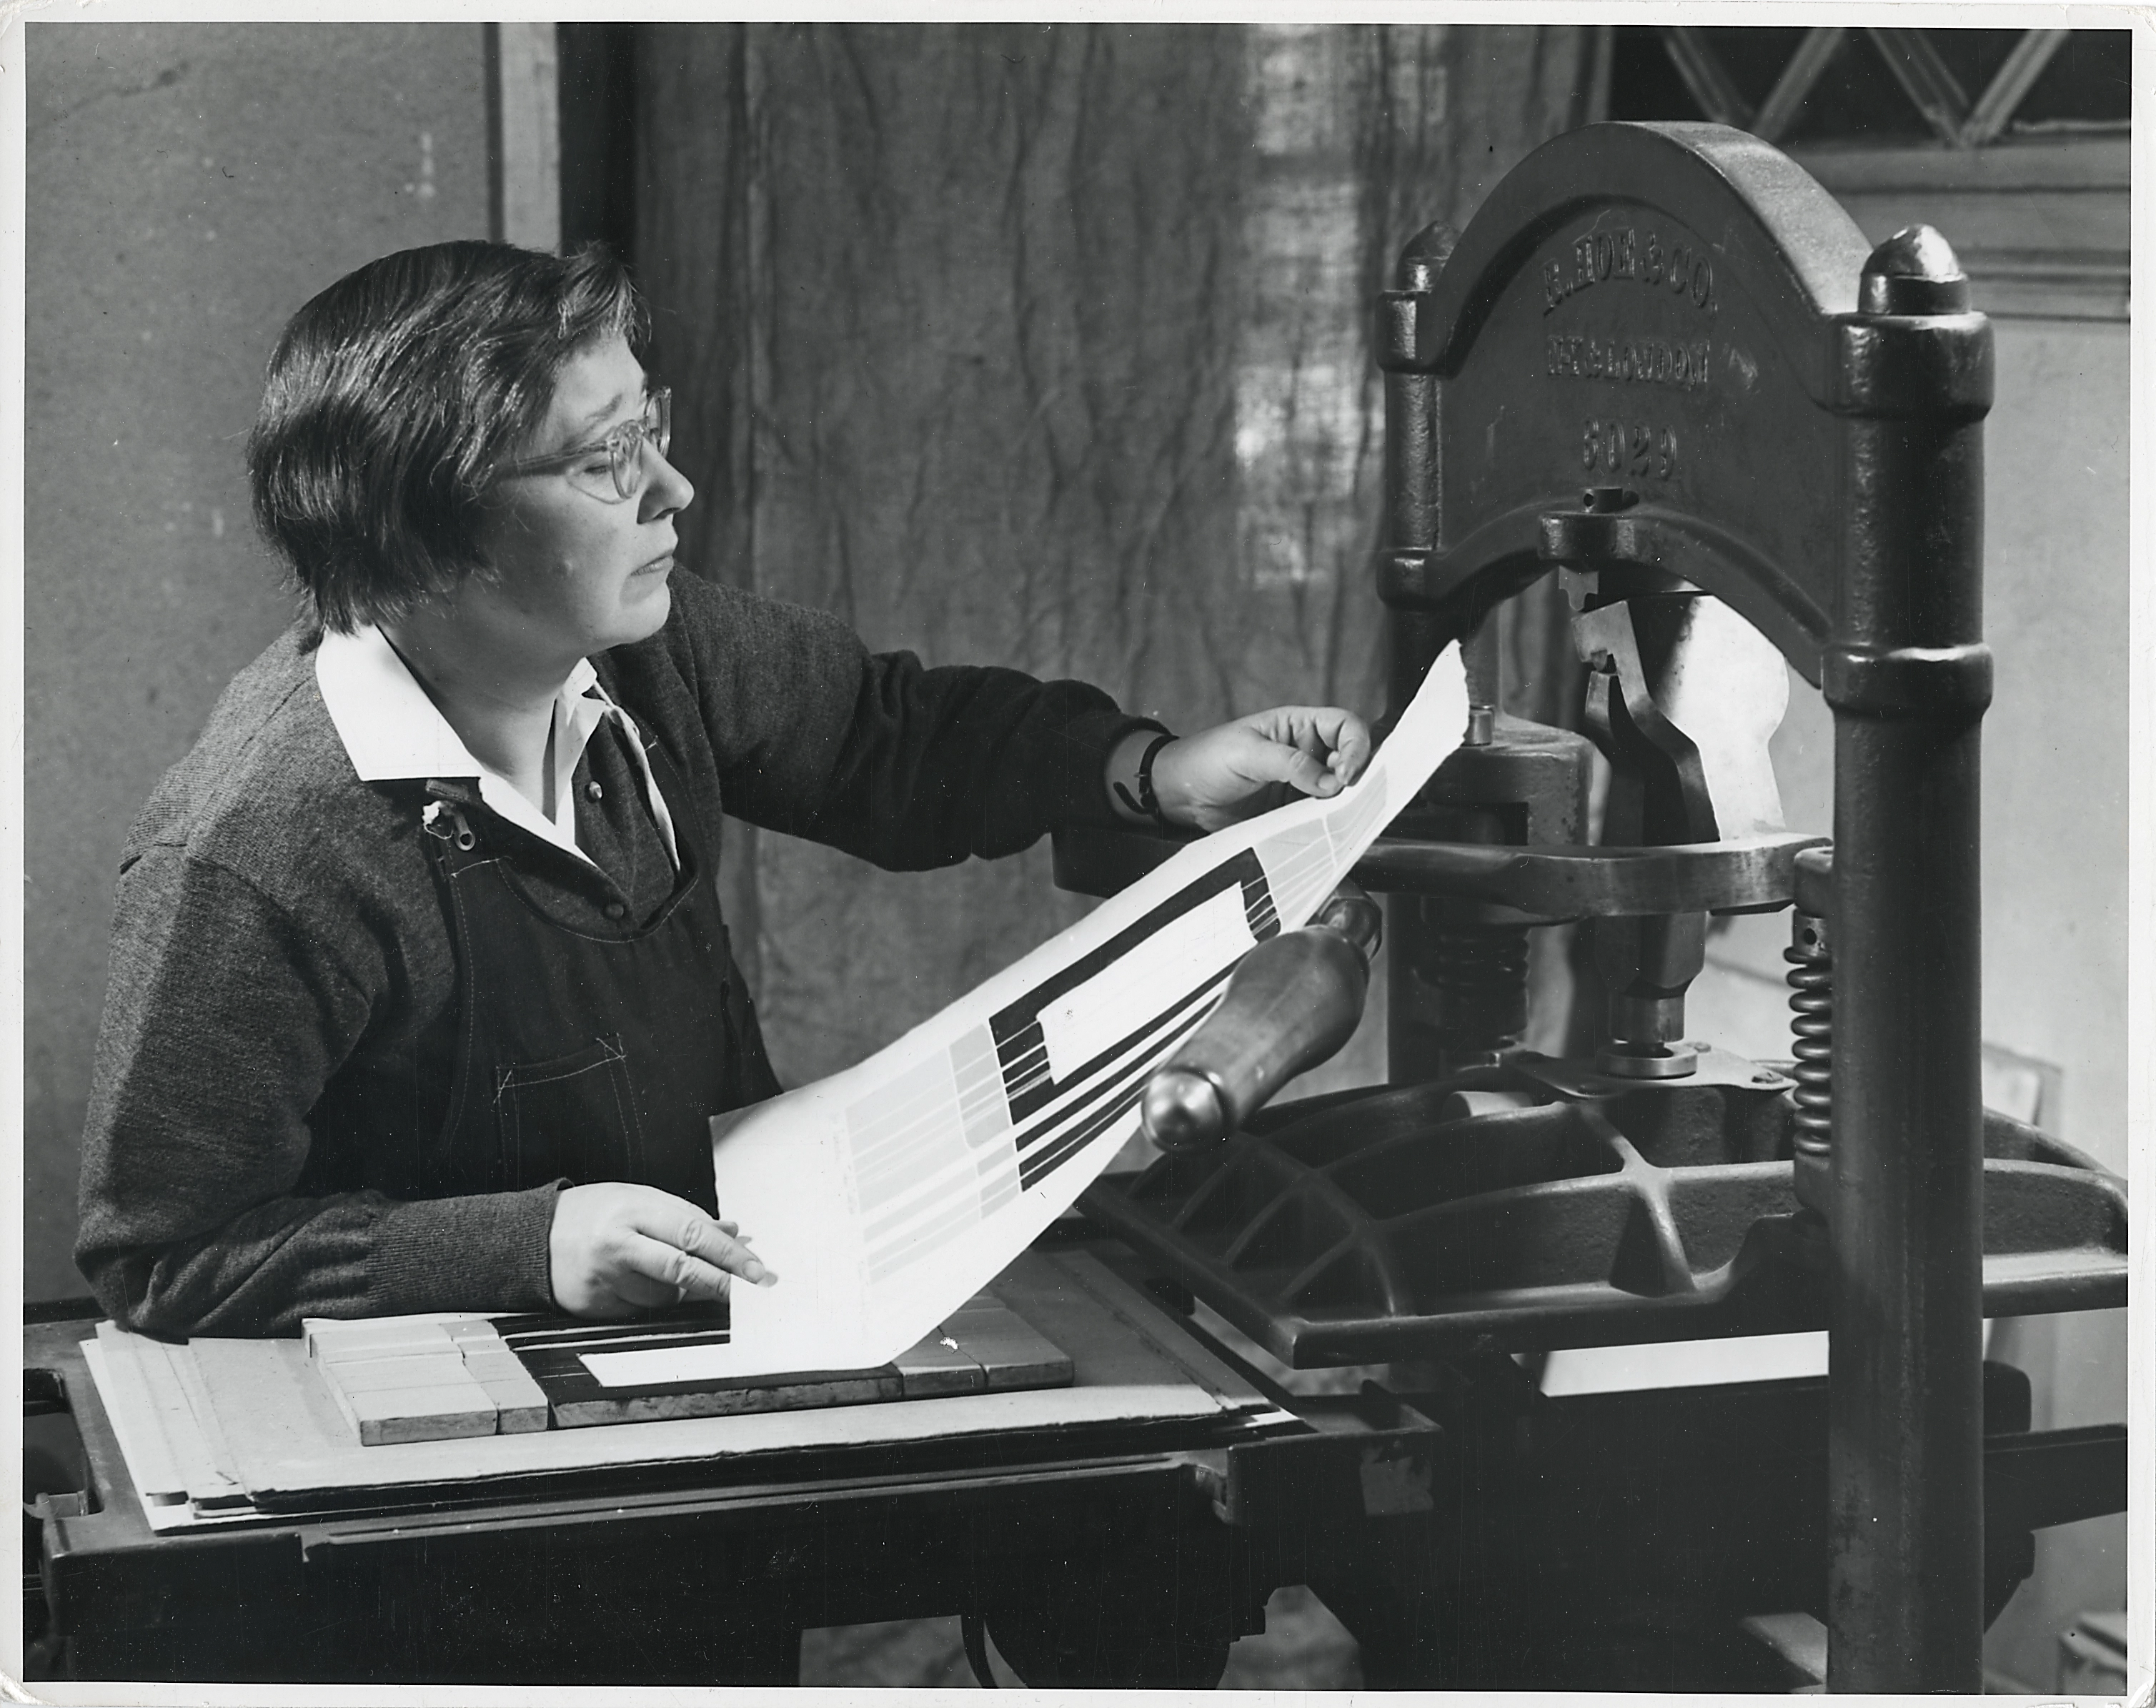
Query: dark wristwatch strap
{"x":1147,"y":801}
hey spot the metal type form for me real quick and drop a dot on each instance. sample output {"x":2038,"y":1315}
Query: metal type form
{"x":1663,"y":361}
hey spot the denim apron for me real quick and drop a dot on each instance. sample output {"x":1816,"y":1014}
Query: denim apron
{"x":586,"y":1054}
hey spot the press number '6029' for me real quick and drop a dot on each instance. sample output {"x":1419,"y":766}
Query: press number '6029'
{"x":1633,"y":448}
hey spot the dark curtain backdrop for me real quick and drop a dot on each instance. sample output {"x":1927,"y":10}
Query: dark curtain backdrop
{"x":1046,"y":346}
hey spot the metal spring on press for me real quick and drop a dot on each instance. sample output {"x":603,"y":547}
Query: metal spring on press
{"x":1811,"y":1020}
{"x":1474,"y":989}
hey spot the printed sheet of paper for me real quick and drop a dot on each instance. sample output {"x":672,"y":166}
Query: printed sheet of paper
{"x":885,"y":1196}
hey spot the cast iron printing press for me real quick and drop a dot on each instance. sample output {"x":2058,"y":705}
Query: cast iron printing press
{"x":1661,"y":363}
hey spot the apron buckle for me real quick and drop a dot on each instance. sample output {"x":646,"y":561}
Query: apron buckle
{"x":458,"y":830}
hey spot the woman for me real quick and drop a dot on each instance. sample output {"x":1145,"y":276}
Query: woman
{"x":420,"y":998}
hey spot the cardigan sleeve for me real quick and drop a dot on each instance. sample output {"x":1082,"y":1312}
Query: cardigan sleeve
{"x":225,"y":1015}
{"x":876,"y":754}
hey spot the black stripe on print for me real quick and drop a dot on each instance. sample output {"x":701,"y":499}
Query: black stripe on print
{"x":1086,"y":1085}
{"x":1121,"y":1096}
{"x":1027,"y":1083}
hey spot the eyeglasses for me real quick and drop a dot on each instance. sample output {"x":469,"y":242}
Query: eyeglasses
{"x":611,"y":468}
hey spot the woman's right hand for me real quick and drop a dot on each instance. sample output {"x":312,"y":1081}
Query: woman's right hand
{"x":616,"y":1248}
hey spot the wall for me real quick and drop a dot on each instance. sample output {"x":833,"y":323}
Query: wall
{"x":2055,"y":779}
{"x":189,"y":186}
{"x":1046,"y":346}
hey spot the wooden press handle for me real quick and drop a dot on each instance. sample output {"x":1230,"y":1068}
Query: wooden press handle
{"x":1294,"y":1000}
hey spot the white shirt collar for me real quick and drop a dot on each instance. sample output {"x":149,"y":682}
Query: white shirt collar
{"x":393,"y":731}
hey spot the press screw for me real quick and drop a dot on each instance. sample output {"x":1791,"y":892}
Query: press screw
{"x":1914,"y":272}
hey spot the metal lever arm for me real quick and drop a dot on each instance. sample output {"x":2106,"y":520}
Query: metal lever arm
{"x":1292,"y":1003}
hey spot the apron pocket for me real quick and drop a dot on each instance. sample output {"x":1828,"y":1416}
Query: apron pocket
{"x":573,"y":1115}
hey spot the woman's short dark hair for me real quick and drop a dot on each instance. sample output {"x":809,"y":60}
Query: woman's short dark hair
{"x":393,"y":396}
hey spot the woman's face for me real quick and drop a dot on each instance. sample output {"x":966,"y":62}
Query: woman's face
{"x":573,"y":573}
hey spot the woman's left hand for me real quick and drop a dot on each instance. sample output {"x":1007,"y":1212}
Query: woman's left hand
{"x":1235,"y":770}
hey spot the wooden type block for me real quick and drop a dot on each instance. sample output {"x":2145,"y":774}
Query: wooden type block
{"x":320,"y":1334}
{"x":519,"y":1409}
{"x":519,"y":1403}
{"x":1011,"y":1352}
{"x":390,"y":1338}
{"x":937,"y":1365}
{"x":413,"y":1369}
{"x":487,"y":1376}
{"x":473,"y":1332}
{"x":488,"y":1363}
{"x":385,"y":1416}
